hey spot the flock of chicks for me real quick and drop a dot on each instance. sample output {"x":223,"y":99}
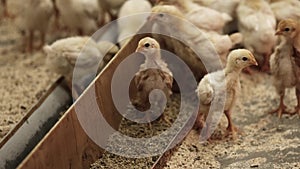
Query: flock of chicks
{"x":224,"y":24}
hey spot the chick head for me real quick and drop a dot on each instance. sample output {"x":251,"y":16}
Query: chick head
{"x":166,"y":14}
{"x":287,"y":28}
{"x":148,"y":46}
{"x":241,"y":58}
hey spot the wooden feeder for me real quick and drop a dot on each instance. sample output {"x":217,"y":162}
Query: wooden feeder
{"x":67,"y":145}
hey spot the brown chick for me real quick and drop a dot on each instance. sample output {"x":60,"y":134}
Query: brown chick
{"x":210,"y":87}
{"x":290,"y":30}
{"x":153,"y":74}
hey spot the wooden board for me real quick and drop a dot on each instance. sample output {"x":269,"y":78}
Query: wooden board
{"x":67,"y":145}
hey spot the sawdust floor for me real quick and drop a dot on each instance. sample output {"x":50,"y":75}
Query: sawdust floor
{"x":24,"y":78}
{"x":267,"y":142}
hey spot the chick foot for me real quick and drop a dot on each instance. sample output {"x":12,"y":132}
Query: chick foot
{"x":280,"y":111}
{"x":233,"y":131}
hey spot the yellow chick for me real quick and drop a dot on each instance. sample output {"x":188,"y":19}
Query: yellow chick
{"x":257,"y":23}
{"x":208,"y":88}
{"x":153,"y":74}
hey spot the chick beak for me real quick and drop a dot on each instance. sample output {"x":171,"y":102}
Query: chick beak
{"x":278,"y":32}
{"x":152,"y":17}
{"x":253,"y":60}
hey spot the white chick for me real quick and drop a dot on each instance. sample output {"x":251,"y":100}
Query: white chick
{"x":82,"y":52}
{"x":131,"y":18}
{"x":80,"y":15}
{"x":257,"y":24}
{"x":208,"y":88}
{"x":224,"y":6}
{"x":224,"y":43}
{"x":153,"y":74}
{"x":286,"y":9}
{"x":165,"y":15}
{"x":112,"y":7}
{"x":202,"y":16}
{"x":34,"y":16}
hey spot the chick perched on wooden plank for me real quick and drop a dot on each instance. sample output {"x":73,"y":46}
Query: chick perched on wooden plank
{"x":131,"y":18}
{"x":34,"y":16}
{"x":286,"y":9}
{"x":257,"y":24}
{"x":82,"y":52}
{"x":208,"y":86}
{"x":153,"y":74}
{"x":80,"y":15}
{"x":290,"y":30}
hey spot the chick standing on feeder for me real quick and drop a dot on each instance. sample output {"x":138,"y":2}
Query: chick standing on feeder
{"x":80,"y":15}
{"x":208,"y":88}
{"x":257,"y":23}
{"x":34,"y":16}
{"x":153,"y":74}
{"x":290,"y":30}
{"x":82,"y":52}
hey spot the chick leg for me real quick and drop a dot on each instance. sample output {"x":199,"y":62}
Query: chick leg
{"x":42,"y":40}
{"x":30,"y":42}
{"x":5,"y":11}
{"x":266,"y":66}
{"x":281,"y":109}
{"x":297,"y":109}
{"x":230,"y":128}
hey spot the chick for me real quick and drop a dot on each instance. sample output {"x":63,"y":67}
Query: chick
{"x":80,"y":15}
{"x":153,"y":74}
{"x":206,"y":45}
{"x":286,"y":9}
{"x":202,"y":16}
{"x":225,"y":6}
{"x":131,"y":18}
{"x":290,"y":30}
{"x":209,"y":87}
{"x":82,"y":52}
{"x":257,"y":23}
{"x":34,"y":16}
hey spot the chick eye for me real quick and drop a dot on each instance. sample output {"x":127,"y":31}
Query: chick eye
{"x":287,"y":29}
{"x":147,"y":45}
{"x":161,"y":15}
{"x":244,"y":58}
